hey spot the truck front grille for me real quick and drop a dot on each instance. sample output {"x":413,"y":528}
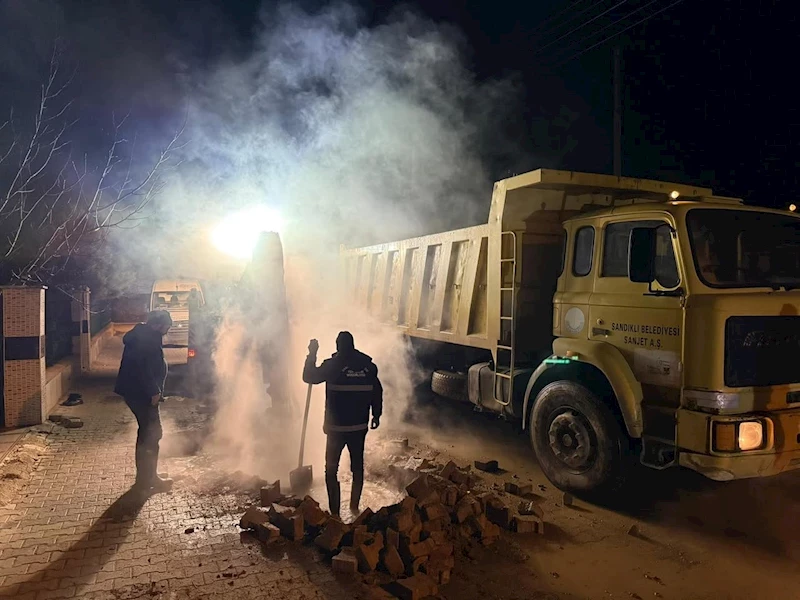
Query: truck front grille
{"x":761,"y":351}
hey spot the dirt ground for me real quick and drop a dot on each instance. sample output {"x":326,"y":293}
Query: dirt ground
{"x":697,"y":538}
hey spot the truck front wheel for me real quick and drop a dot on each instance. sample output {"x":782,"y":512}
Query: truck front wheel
{"x":577,"y":440}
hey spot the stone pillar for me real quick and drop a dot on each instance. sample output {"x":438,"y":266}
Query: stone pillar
{"x":81,"y":335}
{"x":23,"y":356}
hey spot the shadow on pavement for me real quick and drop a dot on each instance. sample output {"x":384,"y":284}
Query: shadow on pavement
{"x":123,"y":512}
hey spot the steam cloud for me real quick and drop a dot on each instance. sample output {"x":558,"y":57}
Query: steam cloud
{"x":359,"y":134}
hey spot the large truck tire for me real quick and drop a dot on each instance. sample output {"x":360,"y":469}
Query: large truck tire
{"x":449,"y":384}
{"x":578,"y":442}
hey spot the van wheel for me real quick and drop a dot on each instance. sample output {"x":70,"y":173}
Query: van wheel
{"x":449,"y":384}
{"x":578,"y":442}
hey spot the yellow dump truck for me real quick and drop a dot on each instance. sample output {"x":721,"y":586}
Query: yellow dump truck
{"x":614,"y":317}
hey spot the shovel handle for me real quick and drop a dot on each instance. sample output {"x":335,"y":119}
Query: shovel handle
{"x":305,"y":422}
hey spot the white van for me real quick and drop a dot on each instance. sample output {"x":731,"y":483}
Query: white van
{"x":174,"y":296}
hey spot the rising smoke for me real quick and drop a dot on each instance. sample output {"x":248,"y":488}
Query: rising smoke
{"x":358,"y":133}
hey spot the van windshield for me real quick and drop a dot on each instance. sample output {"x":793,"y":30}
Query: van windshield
{"x":172,"y":300}
{"x":740,"y":248}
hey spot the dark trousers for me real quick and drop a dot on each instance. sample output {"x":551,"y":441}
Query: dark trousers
{"x":355,"y":441}
{"x":147,"y":439}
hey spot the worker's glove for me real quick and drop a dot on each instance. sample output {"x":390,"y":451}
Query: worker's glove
{"x":313,"y":346}
{"x":376,"y":422}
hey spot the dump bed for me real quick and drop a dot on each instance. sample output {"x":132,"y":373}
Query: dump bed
{"x":491,"y":286}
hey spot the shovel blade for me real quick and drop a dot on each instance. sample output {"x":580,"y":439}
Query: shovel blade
{"x":301,"y":478}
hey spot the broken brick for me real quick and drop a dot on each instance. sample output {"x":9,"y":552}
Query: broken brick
{"x":392,"y":562}
{"x":421,"y":548}
{"x":290,"y":501}
{"x":434,"y":511}
{"x":416,"y":587}
{"x":519,"y":490}
{"x":345,"y":562}
{"x":467,"y":507}
{"x":499,"y":515}
{"x":408,"y":504}
{"x":253,"y":516}
{"x":72,"y":422}
{"x":332,"y":535}
{"x":392,"y":538}
{"x":271,"y":493}
{"x":450,"y":496}
{"x":267,"y":532}
{"x":527,"y":524}
{"x":402,"y":522}
{"x":312,"y":513}
{"x":490,"y":466}
{"x":432,"y":497}
{"x":459,"y":477}
{"x":368,"y":556}
{"x":360,"y":536}
{"x":439,"y":537}
{"x":448,"y":470}
{"x":288,"y":520}
{"x":566,"y":499}
{"x":418,"y":488}
{"x":363,"y":517}
{"x":530,"y":507}
{"x":433,"y":526}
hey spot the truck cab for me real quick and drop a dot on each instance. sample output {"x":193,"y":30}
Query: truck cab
{"x":618,"y":317}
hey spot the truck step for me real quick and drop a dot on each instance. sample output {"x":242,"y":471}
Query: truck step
{"x":658,"y":453}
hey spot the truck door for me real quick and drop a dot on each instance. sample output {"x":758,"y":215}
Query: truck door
{"x":644,"y":325}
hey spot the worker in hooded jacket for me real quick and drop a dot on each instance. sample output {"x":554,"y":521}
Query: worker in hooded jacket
{"x":140,"y":381}
{"x":352,"y":389}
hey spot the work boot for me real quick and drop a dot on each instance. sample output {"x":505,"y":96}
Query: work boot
{"x":161,"y":484}
{"x":334,"y":496}
{"x":355,"y":493}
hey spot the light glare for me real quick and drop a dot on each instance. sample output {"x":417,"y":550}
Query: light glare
{"x":751,"y":435}
{"x":238,"y":233}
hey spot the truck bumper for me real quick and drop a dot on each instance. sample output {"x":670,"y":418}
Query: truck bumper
{"x":782,"y":451}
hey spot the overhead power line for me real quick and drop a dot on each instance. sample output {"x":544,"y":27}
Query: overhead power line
{"x":581,"y":26}
{"x":572,"y":6}
{"x":612,"y":36}
{"x":612,"y":24}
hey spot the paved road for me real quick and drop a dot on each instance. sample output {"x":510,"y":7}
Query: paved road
{"x":76,"y":533}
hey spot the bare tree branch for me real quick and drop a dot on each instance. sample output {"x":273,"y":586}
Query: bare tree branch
{"x":51,"y":205}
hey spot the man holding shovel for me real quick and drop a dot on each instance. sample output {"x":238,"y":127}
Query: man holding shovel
{"x":352,"y":389}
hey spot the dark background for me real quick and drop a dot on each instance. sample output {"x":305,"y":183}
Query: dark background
{"x":708,"y":85}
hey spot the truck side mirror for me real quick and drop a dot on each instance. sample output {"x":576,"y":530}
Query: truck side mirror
{"x":642,"y":255}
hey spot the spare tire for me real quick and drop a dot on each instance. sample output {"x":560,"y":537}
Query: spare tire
{"x":450,"y":384}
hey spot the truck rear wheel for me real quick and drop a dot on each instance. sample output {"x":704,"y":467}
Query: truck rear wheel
{"x":449,"y":384}
{"x":578,"y":442}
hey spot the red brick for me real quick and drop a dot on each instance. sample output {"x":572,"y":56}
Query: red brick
{"x":527,"y":524}
{"x":519,"y":489}
{"x":448,"y":470}
{"x":252,"y":517}
{"x":435,"y":511}
{"x":392,"y":562}
{"x":312,"y":513}
{"x":467,"y":507}
{"x":271,"y":493}
{"x":416,"y":587}
{"x":490,"y":466}
{"x":392,"y":538}
{"x":332,"y":535}
{"x":345,"y":562}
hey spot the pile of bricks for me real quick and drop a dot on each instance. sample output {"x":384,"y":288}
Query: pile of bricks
{"x":409,"y":547}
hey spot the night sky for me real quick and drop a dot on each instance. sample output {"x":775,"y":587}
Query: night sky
{"x":708,"y":86}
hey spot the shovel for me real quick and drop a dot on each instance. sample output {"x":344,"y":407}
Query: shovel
{"x":301,"y":478}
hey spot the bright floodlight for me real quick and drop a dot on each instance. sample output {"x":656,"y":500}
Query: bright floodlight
{"x":674,"y":194}
{"x":792,"y":207}
{"x":238,"y":233}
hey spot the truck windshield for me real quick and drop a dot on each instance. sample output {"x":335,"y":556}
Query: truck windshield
{"x":170,"y":300}
{"x":739,"y":248}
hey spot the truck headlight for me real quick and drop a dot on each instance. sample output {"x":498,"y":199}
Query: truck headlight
{"x":751,"y":435}
{"x":738,"y":436}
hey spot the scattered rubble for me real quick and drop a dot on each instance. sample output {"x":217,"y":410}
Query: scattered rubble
{"x":634,"y":531}
{"x":567,"y":499}
{"x":408,"y":547}
{"x":490,"y":466}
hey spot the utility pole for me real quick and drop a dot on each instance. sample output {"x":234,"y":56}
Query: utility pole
{"x":617,"y":111}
